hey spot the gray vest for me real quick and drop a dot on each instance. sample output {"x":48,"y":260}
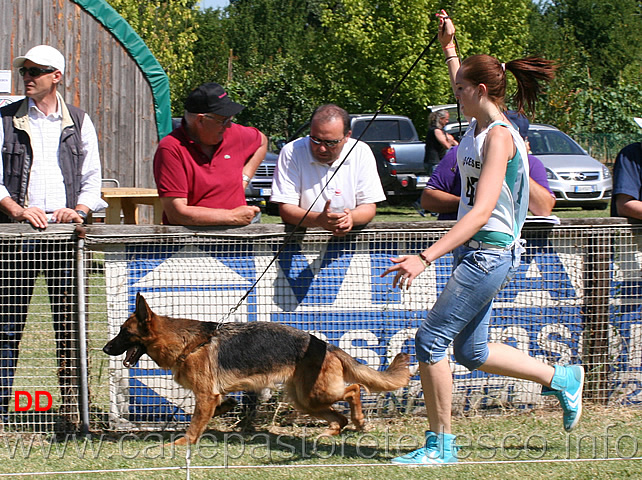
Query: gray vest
{"x":17,"y":156}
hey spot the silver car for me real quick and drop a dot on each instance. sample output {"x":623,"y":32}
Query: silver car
{"x":576,"y":178}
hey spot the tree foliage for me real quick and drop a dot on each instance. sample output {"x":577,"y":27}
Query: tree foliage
{"x":282,"y":58}
{"x":168,"y":27}
{"x":607,"y":31}
{"x":374,"y":43}
{"x":598,"y":45}
{"x":291,"y":55}
{"x":211,"y":50}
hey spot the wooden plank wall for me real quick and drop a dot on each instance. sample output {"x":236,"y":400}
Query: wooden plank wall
{"x":101,"y":78}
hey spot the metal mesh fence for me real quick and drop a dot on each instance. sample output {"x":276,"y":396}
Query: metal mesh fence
{"x":38,"y":340}
{"x":605,"y":146}
{"x":575,"y":299}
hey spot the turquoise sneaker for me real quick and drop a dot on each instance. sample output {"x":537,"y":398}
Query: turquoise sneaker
{"x":440,"y":449}
{"x":567,"y":386}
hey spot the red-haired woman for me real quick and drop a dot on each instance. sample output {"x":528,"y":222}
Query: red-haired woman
{"x":486,"y":246}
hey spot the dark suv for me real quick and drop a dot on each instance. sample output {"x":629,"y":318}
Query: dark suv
{"x":259,"y":189}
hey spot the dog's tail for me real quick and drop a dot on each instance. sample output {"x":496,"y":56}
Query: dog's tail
{"x":396,"y":376}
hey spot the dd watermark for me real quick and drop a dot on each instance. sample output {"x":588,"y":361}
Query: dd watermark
{"x":23,"y":401}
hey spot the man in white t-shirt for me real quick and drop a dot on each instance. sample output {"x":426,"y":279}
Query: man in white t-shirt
{"x":305,"y":169}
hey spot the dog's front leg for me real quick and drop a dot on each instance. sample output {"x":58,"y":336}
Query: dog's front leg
{"x":205,"y":407}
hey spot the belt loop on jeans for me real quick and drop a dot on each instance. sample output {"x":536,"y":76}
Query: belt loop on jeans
{"x":474,"y":244}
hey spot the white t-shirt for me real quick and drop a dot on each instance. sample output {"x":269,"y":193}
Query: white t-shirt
{"x":299,"y":178}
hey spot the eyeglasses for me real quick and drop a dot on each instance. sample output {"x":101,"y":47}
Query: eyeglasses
{"x":35,"y":71}
{"x":326,"y":143}
{"x":224,"y":123}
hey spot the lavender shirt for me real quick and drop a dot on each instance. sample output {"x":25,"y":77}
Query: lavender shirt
{"x":446,"y":177}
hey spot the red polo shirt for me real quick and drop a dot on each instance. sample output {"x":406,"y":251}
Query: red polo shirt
{"x":182,"y":170}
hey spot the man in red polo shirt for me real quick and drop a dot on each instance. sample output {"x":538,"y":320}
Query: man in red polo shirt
{"x":202,"y":168}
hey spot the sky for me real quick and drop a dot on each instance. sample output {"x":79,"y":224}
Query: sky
{"x":214,"y":3}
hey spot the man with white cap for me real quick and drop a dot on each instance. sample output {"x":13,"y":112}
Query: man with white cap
{"x":52,"y":135}
{"x":202,"y":168}
{"x":50,"y":173}
{"x":627,"y":181}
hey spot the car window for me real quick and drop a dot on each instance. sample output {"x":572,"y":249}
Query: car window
{"x":405,"y":132}
{"x":383,"y":131}
{"x":552,"y":142}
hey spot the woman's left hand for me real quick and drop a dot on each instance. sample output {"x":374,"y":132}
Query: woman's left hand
{"x":405,"y":270}
{"x":446,"y":30}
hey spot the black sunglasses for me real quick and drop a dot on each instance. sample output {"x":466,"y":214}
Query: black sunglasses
{"x":35,"y":71}
{"x":326,"y":143}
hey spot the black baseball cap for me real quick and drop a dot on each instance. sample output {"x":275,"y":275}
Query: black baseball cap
{"x":211,"y":98}
{"x":520,"y":121}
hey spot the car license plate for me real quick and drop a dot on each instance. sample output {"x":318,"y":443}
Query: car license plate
{"x":584,"y":188}
{"x":422,"y":179}
{"x":264,"y":192}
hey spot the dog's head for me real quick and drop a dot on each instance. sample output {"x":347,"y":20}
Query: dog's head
{"x":134,"y":334}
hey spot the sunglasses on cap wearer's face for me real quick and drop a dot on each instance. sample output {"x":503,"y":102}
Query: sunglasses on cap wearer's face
{"x":35,"y":71}
{"x":224,"y":122}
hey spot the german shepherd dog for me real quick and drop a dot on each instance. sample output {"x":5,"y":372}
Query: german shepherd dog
{"x":213,"y":359}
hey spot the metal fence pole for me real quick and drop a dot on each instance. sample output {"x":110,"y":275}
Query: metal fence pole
{"x":83,"y":377}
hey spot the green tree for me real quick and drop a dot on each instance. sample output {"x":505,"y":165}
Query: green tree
{"x":288,"y":56}
{"x":279,"y":96}
{"x":609,"y":32}
{"x":269,"y":44}
{"x":374,"y":43}
{"x":211,"y":49}
{"x":599,"y":50}
{"x":259,"y":30}
{"x":168,"y":27}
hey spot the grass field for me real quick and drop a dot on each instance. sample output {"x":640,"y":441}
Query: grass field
{"x":606,"y":445}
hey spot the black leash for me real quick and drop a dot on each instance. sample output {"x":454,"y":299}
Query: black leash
{"x":456,"y":99}
{"x":296,"y":227}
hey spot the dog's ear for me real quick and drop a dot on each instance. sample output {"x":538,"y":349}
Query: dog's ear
{"x":143,"y":312}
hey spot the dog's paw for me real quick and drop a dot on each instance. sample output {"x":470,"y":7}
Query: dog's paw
{"x":403,"y":358}
{"x":359,"y":426}
{"x":178,"y":442}
{"x":330,"y":432}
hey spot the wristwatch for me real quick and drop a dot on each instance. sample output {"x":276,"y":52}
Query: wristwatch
{"x":83,"y":215}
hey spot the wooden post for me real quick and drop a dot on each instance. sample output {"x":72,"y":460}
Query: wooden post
{"x":596,"y":314}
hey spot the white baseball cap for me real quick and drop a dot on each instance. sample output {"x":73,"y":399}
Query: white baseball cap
{"x":42,"y":55}
{"x":638,"y":120}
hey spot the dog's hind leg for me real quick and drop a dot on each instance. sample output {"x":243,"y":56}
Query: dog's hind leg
{"x":205,"y":408}
{"x":224,"y":407}
{"x":352,"y":395}
{"x":336,"y":421}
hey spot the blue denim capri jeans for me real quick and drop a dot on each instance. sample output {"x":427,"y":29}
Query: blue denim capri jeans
{"x":462,"y":312}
